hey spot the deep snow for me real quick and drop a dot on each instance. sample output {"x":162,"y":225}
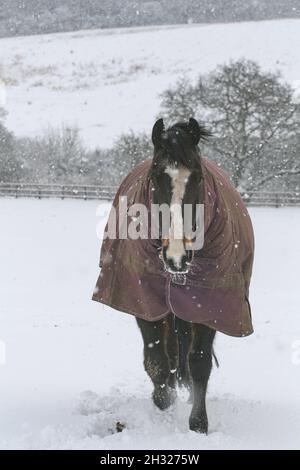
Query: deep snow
{"x":108,"y":81}
{"x":74,"y":368}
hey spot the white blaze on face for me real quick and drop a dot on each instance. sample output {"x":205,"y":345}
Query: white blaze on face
{"x":179,"y":178}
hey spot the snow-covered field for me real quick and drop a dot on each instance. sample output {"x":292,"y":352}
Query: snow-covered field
{"x":108,"y":81}
{"x":74,"y":368}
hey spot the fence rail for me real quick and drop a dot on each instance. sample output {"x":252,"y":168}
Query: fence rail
{"x":41,"y":191}
{"x":272,"y":199}
{"x":69,"y":191}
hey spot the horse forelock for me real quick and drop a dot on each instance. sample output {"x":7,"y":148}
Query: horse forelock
{"x":177,"y":147}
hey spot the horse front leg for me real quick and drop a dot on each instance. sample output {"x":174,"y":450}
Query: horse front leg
{"x":156,"y":360}
{"x":200,"y":364}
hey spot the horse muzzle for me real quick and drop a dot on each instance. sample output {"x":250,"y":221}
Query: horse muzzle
{"x":174,"y":266}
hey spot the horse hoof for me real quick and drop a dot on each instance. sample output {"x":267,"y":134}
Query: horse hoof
{"x":199,"y":425}
{"x":163,"y":397}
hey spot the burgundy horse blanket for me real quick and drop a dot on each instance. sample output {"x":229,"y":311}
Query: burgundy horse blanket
{"x":215,"y":292}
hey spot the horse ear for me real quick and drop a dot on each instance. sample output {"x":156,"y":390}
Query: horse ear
{"x":198,"y":131}
{"x":194,"y":130}
{"x":157,"y":131}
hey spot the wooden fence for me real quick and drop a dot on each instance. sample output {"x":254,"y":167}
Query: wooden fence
{"x":41,"y":191}
{"x":272,"y":199}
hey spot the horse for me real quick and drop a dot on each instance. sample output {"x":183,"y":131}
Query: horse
{"x":183,"y":294}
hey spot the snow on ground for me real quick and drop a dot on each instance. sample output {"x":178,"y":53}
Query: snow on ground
{"x":74,"y":368}
{"x":108,"y":81}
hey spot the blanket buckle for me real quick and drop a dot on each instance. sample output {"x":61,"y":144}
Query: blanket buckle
{"x":179,"y":278}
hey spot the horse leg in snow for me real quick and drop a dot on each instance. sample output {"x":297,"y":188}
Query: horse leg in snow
{"x":171,"y":342}
{"x":156,"y":359}
{"x":183,"y":331}
{"x":200,"y":364}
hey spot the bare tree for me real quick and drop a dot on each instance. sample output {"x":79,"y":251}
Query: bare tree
{"x":128,"y":151}
{"x":9,"y":165}
{"x":253,"y":116}
{"x":58,"y":156}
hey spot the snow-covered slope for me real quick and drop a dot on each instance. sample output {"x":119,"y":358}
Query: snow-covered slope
{"x":74,"y":368}
{"x":108,"y":81}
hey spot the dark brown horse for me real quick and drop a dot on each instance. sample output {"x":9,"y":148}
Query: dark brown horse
{"x":173,"y":348}
{"x":181,"y":293}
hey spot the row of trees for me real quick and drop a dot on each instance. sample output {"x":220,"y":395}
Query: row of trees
{"x":253,"y":116}
{"x":21,"y":17}
{"x":59,"y":157}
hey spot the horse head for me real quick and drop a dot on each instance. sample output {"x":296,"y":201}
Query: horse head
{"x":176,"y":175}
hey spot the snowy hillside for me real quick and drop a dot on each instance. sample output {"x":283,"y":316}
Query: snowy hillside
{"x":74,"y":368}
{"x":108,"y":81}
